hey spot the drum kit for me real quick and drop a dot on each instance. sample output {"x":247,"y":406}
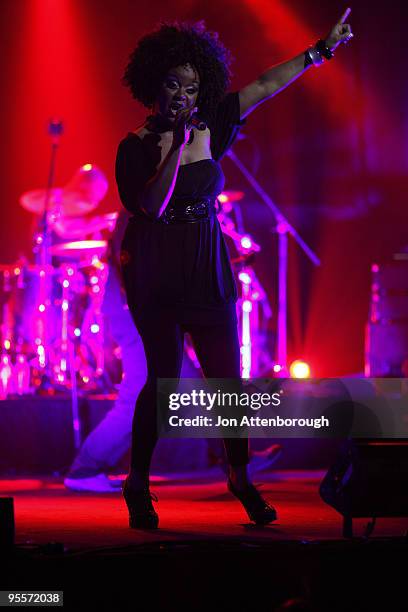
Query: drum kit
{"x":52,"y":327}
{"x":52,"y":322}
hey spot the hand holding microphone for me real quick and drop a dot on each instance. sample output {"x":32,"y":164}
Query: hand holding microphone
{"x":198,"y":123}
{"x":184,"y":121}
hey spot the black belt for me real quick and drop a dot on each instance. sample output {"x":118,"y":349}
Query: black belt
{"x":188,"y":210}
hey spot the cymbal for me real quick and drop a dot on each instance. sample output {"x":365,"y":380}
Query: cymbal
{"x":230,"y":196}
{"x":70,"y":228}
{"x":67,"y":203}
{"x":82,"y":194}
{"x":79,"y":248}
{"x":89,"y":182}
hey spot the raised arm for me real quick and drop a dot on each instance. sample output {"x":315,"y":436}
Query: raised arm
{"x":278,"y":77}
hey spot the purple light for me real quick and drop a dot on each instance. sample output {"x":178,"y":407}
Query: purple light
{"x":246,"y":306}
{"x":244,"y":277}
{"x":282,"y":227}
{"x":246,"y":242}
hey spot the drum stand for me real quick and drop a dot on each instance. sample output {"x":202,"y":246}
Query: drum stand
{"x":283,"y":228}
{"x":253,"y":295}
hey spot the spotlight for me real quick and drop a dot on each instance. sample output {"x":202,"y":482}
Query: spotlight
{"x":299,"y":369}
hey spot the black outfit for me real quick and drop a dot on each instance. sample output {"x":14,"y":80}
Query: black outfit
{"x":178,"y":276}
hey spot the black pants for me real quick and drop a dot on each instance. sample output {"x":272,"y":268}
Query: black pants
{"x":218,"y":351}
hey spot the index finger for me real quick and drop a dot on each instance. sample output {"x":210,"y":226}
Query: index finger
{"x":345,"y":15}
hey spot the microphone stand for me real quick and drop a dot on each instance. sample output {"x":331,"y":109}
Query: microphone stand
{"x":284,"y":229}
{"x":55,"y":129}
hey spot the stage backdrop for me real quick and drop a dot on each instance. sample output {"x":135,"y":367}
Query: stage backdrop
{"x":331,"y":150}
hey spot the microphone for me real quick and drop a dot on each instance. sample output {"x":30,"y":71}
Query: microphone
{"x":197,"y":123}
{"x":55,"y":130}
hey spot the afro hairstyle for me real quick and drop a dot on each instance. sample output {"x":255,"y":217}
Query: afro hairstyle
{"x":174,"y":44}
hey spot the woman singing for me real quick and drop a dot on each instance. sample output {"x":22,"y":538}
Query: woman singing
{"x":175,"y":263}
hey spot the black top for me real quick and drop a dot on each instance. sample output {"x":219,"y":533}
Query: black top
{"x":183,"y":269}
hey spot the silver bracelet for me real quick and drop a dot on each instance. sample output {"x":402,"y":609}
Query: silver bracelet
{"x":314,"y":56}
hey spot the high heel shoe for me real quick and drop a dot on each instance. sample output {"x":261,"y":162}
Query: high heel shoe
{"x":142,"y":514}
{"x":258,"y":510}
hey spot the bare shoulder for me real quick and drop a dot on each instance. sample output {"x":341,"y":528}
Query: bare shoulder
{"x":141,"y":132}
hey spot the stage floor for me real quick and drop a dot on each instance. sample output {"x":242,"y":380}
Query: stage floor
{"x":190,"y":506}
{"x":205,"y":556}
